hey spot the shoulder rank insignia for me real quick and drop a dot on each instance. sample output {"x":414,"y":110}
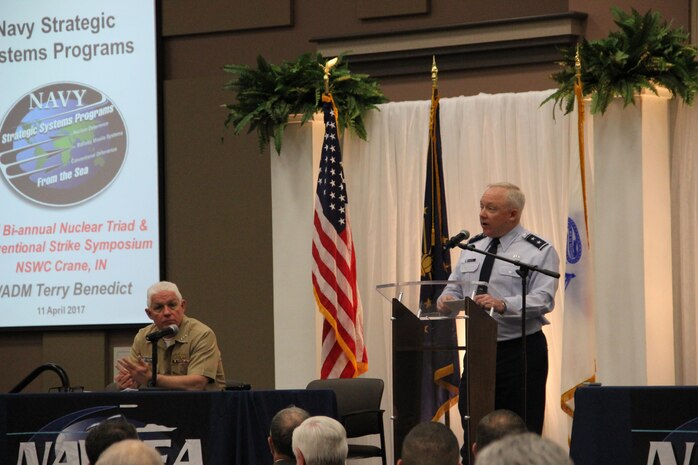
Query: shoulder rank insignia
{"x":537,"y":242}
{"x":476,"y":238}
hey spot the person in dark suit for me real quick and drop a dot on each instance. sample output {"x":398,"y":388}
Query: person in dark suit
{"x":281,"y":434}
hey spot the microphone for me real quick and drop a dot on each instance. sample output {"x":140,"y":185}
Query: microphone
{"x":457,"y":239}
{"x":169,"y":331}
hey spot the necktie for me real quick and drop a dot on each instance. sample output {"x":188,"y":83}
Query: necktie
{"x":486,"y":270}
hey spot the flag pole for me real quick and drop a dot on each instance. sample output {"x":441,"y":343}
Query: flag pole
{"x":434,"y":73}
{"x":579,"y":94}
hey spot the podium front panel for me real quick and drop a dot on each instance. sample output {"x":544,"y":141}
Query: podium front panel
{"x":412,"y":350}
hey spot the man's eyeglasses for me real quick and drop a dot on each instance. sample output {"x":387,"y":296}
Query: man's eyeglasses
{"x":158,"y":308}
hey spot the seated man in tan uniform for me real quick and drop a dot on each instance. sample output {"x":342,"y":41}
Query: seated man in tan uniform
{"x":188,"y":360}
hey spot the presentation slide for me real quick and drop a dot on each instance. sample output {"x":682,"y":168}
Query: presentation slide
{"x":79,"y":222}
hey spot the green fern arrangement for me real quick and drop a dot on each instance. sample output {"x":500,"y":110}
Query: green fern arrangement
{"x":268,"y":95}
{"x":644,"y":53}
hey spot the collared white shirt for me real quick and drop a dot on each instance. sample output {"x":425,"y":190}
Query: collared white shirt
{"x":505,"y":283}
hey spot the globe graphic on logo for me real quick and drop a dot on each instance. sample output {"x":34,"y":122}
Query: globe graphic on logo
{"x":62,"y":144}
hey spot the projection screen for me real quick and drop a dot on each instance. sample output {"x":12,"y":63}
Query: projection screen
{"x":79,"y":152}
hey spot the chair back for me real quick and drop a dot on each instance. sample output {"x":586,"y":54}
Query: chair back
{"x":358,"y":400}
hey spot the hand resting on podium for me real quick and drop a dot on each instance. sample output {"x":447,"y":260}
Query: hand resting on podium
{"x":484,"y":300}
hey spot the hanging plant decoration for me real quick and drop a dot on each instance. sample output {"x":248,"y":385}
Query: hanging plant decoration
{"x":267,"y":96}
{"x":643,"y":54}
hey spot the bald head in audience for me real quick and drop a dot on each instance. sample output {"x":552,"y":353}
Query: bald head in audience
{"x":496,"y":425}
{"x":523,"y":449}
{"x":281,"y":433}
{"x":130,"y":452}
{"x":430,"y":443}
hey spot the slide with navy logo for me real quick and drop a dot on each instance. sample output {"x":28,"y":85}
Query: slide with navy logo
{"x":79,"y":222}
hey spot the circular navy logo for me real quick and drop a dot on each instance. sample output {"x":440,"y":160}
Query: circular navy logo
{"x":62,"y":144}
{"x":574,"y":242}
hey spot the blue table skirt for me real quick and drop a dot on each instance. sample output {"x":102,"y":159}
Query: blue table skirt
{"x":222,"y":428}
{"x":635,"y":425}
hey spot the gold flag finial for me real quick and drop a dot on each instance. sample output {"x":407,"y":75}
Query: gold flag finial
{"x":328,"y":66}
{"x":578,"y":64}
{"x":434,"y":73}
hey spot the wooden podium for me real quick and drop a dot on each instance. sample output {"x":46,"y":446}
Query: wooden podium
{"x":411,"y":320}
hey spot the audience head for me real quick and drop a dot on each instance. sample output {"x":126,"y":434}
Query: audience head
{"x":105,"y":434}
{"x":495,"y":425}
{"x":320,"y":441}
{"x":130,"y":452}
{"x":430,"y":443}
{"x":523,"y":449}
{"x":281,"y":431}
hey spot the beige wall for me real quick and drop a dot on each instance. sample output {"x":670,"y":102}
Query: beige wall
{"x":218,"y":196}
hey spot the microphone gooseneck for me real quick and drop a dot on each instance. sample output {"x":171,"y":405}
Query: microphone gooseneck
{"x":457,"y":239}
{"x":171,"y":330}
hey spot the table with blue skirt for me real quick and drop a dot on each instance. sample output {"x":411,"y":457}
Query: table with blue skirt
{"x":211,"y":428}
{"x":619,"y":425}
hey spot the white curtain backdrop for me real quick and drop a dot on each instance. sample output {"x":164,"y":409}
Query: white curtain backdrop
{"x":485,"y":139}
{"x":684,"y":193}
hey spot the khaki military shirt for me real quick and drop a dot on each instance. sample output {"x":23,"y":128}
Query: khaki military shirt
{"x":194,"y":352}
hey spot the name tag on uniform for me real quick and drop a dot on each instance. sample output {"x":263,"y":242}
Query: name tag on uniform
{"x":469,"y":265}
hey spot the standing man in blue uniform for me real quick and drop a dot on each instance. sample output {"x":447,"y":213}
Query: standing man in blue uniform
{"x":500,"y":215}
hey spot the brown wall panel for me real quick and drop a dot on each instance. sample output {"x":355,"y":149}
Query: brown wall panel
{"x":453,"y":84}
{"x":20,"y":353}
{"x":600,"y":21}
{"x":82,"y":356}
{"x":367,"y":9}
{"x":218,"y":223}
{"x":204,"y":55}
{"x":181,"y":17}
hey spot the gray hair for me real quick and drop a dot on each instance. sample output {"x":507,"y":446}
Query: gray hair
{"x":130,"y":452}
{"x":321,"y":440}
{"x":515,"y":196}
{"x":523,"y":449}
{"x":162,"y":286}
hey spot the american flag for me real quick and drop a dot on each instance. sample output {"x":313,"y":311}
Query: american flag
{"x":334,"y":264}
